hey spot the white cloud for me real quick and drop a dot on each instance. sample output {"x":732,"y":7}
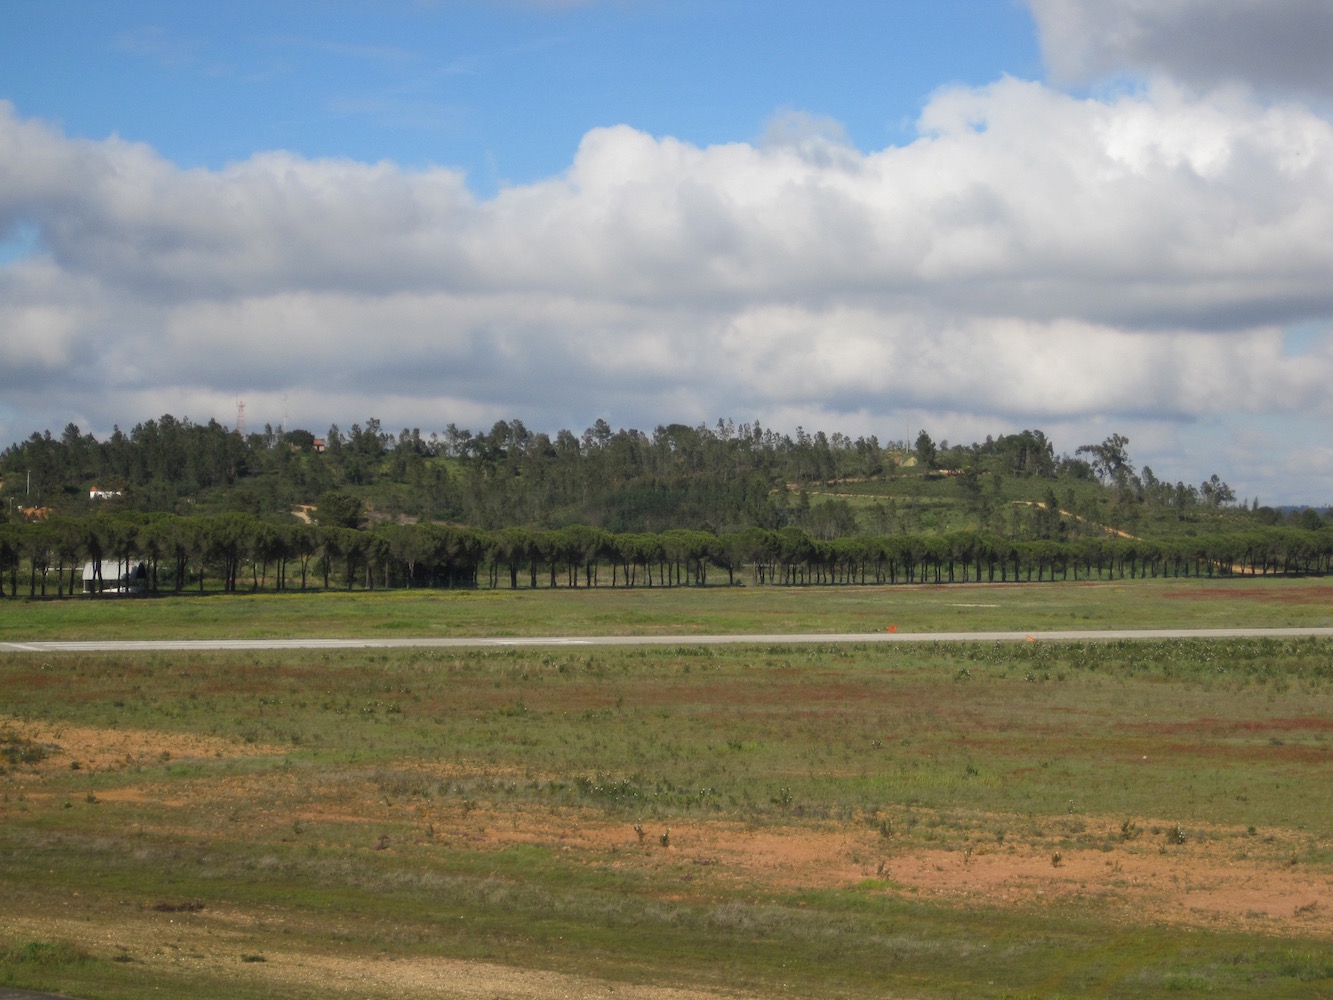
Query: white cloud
{"x":1033,"y":259}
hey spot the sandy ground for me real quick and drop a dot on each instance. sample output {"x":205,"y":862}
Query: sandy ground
{"x":204,"y":943}
{"x":1221,"y":879}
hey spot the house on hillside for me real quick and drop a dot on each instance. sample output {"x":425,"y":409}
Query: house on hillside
{"x":119,"y":576}
{"x":99,"y":494}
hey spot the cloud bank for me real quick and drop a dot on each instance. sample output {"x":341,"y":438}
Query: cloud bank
{"x":1031,"y":259}
{"x":1276,"y":46}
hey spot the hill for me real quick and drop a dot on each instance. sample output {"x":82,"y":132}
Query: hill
{"x":721,"y":479}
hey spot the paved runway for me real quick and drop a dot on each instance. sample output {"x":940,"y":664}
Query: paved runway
{"x":771,"y":639}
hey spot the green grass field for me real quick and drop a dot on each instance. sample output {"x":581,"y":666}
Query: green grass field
{"x":1239,"y":601}
{"x":1113,"y":819}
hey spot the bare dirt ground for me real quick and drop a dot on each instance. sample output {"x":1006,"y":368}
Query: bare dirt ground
{"x":1218,"y":878}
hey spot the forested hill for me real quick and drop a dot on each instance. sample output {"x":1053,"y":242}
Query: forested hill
{"x":719,"y":479}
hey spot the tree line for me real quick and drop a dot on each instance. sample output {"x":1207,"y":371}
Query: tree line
{"x":234,"y":552}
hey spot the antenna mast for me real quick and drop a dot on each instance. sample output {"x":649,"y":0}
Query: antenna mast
{"x":240,"y":417}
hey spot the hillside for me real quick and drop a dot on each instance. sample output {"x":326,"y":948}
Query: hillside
{"x":720,"y":479}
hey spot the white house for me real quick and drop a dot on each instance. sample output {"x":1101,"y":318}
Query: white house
{"x":119,"y":576}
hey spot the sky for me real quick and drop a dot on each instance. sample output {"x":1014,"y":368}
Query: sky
{"x":965,"y":216}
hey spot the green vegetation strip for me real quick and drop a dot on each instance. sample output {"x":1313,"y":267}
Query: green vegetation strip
{"x":1161,"y":603}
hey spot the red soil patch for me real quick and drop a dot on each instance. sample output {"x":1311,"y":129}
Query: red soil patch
{"x":1189,"y":885}
{"x":1208,"y":884}
{"x":1224,"y":727}
{"x":99,"y":749}
{"x":1266,"y":595}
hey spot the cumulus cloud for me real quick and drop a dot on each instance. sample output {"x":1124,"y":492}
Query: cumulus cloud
{"x":1032,"y":259}
{"x":1279,"y":46}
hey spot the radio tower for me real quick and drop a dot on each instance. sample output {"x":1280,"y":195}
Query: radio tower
{"x":240,"y":418}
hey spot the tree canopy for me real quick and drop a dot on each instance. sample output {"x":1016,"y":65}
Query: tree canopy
{"x":721,"y":479}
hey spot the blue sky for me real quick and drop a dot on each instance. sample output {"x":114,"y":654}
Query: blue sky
{"x":503,"y":90}
{"x":973,"y":216}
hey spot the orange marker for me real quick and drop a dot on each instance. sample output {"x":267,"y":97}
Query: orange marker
{"x":892,"y":628}
{"x":1030,"y":639}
